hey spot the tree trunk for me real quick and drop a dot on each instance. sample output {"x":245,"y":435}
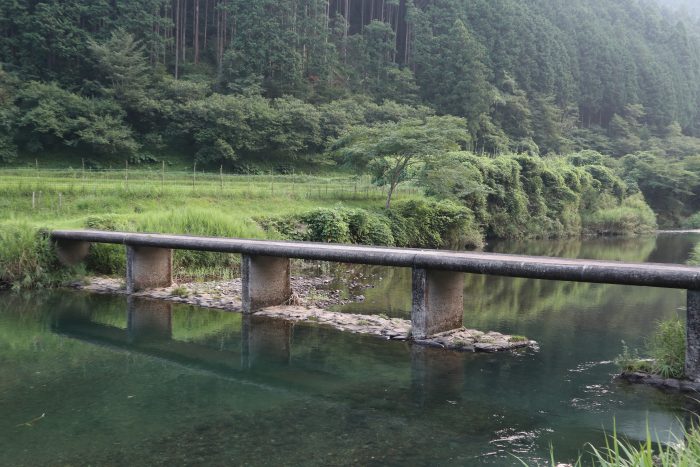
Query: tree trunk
{"x":196,"y":31}
{"x":392,"y":187}
{"x":177,"y":37}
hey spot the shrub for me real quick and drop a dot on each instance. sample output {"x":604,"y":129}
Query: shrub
{"x":693,"y":222}
{"x":420,"y":224}
{"x":28,"y":258}
{"x":434,"y":224}
{"x":105,"y":258}
{"x":666,"y":350}
{"x":327,"y":225}
{"x":632,"y":217}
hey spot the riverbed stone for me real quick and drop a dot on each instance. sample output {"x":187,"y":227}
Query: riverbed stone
{"x":229,"y":298}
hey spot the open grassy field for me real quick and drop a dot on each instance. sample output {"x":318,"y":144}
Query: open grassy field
{"x":151,"y":200}
{"x":65,"y":197}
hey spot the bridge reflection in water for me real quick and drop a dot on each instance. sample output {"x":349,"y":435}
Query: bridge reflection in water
{"x":264,"y":355}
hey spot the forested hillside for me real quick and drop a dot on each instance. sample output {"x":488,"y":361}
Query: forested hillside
{"x":250,"y":84}
{"x":537,"y":76}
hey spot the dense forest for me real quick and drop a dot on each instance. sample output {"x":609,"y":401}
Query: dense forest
{"x":245,"y":84}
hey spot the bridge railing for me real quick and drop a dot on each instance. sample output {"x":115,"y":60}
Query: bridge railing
{"x":438,"y":276}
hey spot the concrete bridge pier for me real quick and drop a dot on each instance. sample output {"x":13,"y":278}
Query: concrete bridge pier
{"x":71,"y":252}
{"x":266,"y":282}
{"x":148,"y":268}
{"x":265,"y":340}
{"x":148,"y":319}
{"x":692,"y":343}
{"x":438,"y":302}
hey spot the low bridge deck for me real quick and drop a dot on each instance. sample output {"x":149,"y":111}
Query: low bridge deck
{"x":534,"y":267}
{"x":438,"y":282}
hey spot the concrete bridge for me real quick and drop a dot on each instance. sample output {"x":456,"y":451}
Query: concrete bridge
{"x":438,"y":276}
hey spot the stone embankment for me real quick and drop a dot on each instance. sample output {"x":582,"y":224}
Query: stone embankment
{"x":309,"y":303}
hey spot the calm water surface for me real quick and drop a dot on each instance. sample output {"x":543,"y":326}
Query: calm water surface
{"x":101,"y":380}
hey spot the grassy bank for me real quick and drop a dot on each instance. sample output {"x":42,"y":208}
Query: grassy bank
{"x":34,"y":201}
{"x":335,"y":208}
{"x":620,"y":452}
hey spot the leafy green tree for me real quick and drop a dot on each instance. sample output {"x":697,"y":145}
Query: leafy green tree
{"x":122,"y":64}
{"x":51,"y":117}
{"x":452,"y":74}
{"x":8,"y":115}
{"x":389,"y":151}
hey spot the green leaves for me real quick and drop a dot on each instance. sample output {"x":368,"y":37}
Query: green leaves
{"x":50,"y":116}
{"x":390,"y":150}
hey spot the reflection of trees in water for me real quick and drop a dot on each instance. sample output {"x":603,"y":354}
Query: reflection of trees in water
{"x":631,"y":249}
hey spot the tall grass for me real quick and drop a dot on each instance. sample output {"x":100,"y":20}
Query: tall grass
{"x":665,"y":349}
{"x":621,"y":453}
{"x":27,"y":258}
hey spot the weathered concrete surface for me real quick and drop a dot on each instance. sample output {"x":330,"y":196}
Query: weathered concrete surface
{"x":149,"y":319}
{"x":71,"y":252}
{"x":148,"y":268}
{"x":692,"y":348}
{"x":578,"y":270}
{"x":438,"y":302}
{"x":227,"y":296}
{"x":266,"y":282}
{"x":265,"y":340}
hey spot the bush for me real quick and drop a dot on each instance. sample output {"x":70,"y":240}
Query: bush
{"x":632,"y":217}
{"x":666,"y":350}
{"x":419,"y":224}
{"x":327,"y":225}
{"x":105,"y":258}
{"x":693,"y":222}
{"x":434,"y":224}
{"x":518,"y":196}
{"x":28,"y":258}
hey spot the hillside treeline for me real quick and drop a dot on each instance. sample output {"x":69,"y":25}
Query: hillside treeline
{"x":530,"y":76}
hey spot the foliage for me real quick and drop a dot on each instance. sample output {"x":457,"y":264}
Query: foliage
{"x":51,"y":117}
{"x":390,"y":151}
{"x":621,"y":452}
{"x":27,"y":258}
{"x":515,"y":196}
{"x":530,"y":77}
{"x":666,"y":350}
{"x":692,"y":222}
{"x":632,"y":216}
{"x":420,"y":224}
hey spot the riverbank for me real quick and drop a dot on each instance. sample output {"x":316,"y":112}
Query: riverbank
{"x":671,"y":384}
{"x":310,"y":303}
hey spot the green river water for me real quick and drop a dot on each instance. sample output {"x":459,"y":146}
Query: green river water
{"x":97,"y":380}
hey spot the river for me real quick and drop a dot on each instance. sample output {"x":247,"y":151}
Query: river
{"x":85,"y":379}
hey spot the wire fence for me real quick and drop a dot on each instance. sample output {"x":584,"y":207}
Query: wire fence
{"x":59,"y":183}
